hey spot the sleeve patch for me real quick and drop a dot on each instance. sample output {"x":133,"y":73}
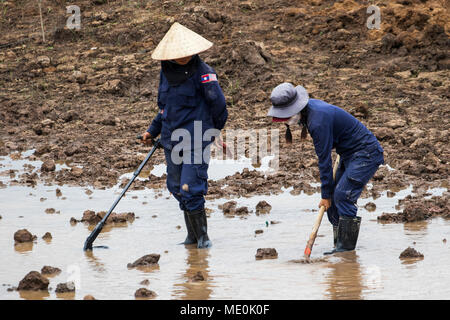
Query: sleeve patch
{"x":208,"y":78}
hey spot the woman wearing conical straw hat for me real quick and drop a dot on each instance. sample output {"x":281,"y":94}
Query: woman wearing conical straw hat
{"x":192,"y":111}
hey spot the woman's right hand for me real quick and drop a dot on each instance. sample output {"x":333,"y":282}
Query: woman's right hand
{"x":147,"y":138}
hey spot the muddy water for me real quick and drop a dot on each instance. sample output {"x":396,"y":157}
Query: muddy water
{"x":373,"y":271}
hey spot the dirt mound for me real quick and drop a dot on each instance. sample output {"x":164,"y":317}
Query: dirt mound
{"x":395,"y":80}
{"x":33,"y":281}
{"x":147,"y":260}
{"x":418,"y":209}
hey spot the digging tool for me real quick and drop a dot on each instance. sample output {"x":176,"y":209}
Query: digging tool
{"x":90,"y":240}
{"x":316,"y":226}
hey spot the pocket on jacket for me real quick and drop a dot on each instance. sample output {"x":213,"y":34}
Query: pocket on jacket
{"x":187,"y":95}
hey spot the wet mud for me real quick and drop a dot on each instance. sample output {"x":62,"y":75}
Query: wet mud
{"x":101,"y":82}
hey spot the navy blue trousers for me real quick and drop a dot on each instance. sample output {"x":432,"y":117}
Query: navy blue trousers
{"x":195,"y":179}
{"x":351,"y":177}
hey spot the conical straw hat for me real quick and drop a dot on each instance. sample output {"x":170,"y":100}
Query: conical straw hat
{"x":180,"y":42}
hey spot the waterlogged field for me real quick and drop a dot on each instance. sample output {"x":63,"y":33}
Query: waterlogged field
{"x":229,"y":269}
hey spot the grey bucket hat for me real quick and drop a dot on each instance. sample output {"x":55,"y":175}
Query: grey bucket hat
{"x":287,"y":100}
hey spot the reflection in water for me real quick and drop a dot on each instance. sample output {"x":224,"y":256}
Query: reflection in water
{"x":23,"y":247}
{"x":194,"y":288}
{"x":66,"y":295}
{"x":94,"y":262}
{"x":345,"y":279}
{"x":419,"y":226}
{"x":34,"y":295}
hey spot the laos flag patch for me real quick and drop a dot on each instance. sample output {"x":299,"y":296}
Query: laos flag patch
{"x":209,"y":77}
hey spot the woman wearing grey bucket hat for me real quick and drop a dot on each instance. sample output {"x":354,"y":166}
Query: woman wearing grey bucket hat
{"x":332,"y":128}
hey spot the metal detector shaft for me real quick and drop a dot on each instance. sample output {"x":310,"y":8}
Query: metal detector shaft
{"x":90,"y":240}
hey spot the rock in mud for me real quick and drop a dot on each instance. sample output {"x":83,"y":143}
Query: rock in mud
{"x":33,"y":281}
{"x":89,"y":297}
{"x":410,"y":253}
{"x":263,"y":207}
{"x":48,"y":165}
{"x":266,"y":253}
{"x":144,"y":293}
{"x":370,"y":206}
{"x":47,"y":236}
{"x":145,"y":261}
{"x":23,"y":235}
{"x":65,"y":287}
{"x":50,"y":270}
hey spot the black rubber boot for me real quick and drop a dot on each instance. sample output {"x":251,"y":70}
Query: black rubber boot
{"x":347,"y":234}
{"x":190,"y":238}
{"x":200,"y":228}
{"x":335,"y":229}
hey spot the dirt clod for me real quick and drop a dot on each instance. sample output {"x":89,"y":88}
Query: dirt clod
{"x":65,"y":287}
{"x":50,"y":270}
{"x":266,"y":253}
{"x":23,"y":235}
{"x":33,"y":281}
{"x":410,"y":253}
{"x":229,"y":208}
{"x":370,"y":206}
{"x":144,"y":293}
{"x":147,"y":260}
{"x":145,"y":282}
{"x":48,"y":165}
{"x":263,"y":207}
{"x":47,"y":236}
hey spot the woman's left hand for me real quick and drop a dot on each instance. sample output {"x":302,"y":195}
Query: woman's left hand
{"x":326,"y":203}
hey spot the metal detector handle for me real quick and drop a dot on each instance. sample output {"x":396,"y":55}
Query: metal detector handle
{"x":91,"y":238}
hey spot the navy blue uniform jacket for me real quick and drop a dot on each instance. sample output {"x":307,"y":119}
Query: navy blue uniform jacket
{"x":199,"y":98}
{"x":332,"y":127}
